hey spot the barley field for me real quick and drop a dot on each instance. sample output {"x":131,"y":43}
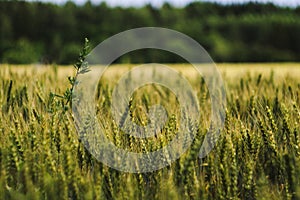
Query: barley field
{"x":257,"y":155}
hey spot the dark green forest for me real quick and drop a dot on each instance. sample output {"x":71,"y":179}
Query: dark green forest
{"x":35,"y":32}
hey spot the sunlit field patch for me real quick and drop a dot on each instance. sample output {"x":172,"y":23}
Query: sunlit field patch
{"x":257,"y":155}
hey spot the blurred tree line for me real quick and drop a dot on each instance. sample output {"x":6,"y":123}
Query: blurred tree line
{"x":43,"y":32}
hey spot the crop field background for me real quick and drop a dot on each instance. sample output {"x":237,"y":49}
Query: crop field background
{"x":257,"y":155}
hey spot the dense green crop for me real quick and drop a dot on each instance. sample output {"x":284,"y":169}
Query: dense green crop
{"x":256,"y":157}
